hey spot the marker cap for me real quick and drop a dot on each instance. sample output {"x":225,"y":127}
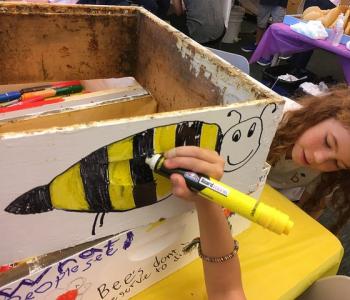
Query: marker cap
{"x":152,"y":161}
{"x":273,"y":219}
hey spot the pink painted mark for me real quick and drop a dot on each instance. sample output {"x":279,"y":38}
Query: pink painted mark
{"x":70,"y":295}
{"x":5,"y":268}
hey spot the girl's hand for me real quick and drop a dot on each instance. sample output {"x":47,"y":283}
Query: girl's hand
{"x":195,"y":159}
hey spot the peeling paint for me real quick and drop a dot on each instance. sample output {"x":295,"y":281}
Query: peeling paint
{"x":233,"y":83}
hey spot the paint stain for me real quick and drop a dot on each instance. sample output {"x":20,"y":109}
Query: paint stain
{"x":129,"y":239}
{"x":64,"y":51}
{"x":70,"y":295}
{"x":155,"y":224}
{"x":227,"y":213}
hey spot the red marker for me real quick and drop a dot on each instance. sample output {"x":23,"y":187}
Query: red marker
{"x":26,"y":105}
{"x":31,"y":100}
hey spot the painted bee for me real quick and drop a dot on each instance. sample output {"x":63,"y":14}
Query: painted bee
{"x":116,"y":178}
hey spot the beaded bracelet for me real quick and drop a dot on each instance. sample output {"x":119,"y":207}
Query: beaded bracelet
{"x":211,"y":259}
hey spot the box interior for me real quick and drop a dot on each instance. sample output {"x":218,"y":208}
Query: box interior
{"x":46,"y":43}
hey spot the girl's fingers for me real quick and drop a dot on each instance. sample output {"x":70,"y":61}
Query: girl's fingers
{"x":180,"y":188}
{"x":214,"y":170}
{"x":193,"y":151}
{"x":195,"y":159}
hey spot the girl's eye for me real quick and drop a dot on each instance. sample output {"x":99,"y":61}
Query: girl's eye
{"x":327,"y":142}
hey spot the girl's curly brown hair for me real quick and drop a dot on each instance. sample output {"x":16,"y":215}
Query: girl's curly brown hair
{"x":334,"y":186}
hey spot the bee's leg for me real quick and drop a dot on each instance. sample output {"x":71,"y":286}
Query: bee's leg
{"x":102,"y":219}
{"x":95,"y":222}
{"x":94,"y":225}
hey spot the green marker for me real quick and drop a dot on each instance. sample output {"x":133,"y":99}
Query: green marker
{"x":68,"y":90}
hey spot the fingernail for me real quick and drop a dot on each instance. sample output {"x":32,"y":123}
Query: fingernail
{"x":170,"y":153}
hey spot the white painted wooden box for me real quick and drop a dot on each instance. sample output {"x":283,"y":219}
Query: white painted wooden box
{"x":192,"y":97}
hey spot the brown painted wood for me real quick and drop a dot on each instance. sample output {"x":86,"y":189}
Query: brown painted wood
{"x":125,"y":109}
{"x":50,"y":43}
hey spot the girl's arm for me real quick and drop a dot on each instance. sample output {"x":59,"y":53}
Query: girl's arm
{"x":223,"y":280}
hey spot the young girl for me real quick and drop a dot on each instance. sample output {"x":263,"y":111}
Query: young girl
{"x":218,"y":249}
{"x":310,"y":155}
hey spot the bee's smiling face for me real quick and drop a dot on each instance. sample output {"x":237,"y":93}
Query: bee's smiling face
{"x":241,"y":142}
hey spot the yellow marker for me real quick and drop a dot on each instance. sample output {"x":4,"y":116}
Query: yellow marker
{"x":227,"y":197}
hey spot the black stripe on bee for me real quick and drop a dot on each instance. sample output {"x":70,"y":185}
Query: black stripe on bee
{"x":94,"y":175}
{"x":143,"y":143}
{"x":144,"y":190}
{"x":188,"y":133}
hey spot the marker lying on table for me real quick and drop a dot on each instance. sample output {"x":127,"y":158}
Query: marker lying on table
{"x":9,"y":96}
{"x":30,"y":104}
{"x":227,"y":197}
{"x":52,"y":85}
{"x":52,"y":92}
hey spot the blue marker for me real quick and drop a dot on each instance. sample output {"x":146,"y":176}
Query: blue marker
{"x":9,"y":96}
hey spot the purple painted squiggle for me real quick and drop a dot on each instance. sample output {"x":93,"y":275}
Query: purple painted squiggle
{"x":129,"y":239}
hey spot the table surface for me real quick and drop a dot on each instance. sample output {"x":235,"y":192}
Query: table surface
{"x":273,"y":266}
{"x":280,"y":39}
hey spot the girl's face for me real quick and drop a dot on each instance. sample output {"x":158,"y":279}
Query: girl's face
{"x":324,"y":147}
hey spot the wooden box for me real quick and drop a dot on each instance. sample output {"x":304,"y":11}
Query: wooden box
{"x":194,"y":97}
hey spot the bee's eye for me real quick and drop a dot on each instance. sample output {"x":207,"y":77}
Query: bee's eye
{"x":251,"y":130}
{"x":236,"y":136}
